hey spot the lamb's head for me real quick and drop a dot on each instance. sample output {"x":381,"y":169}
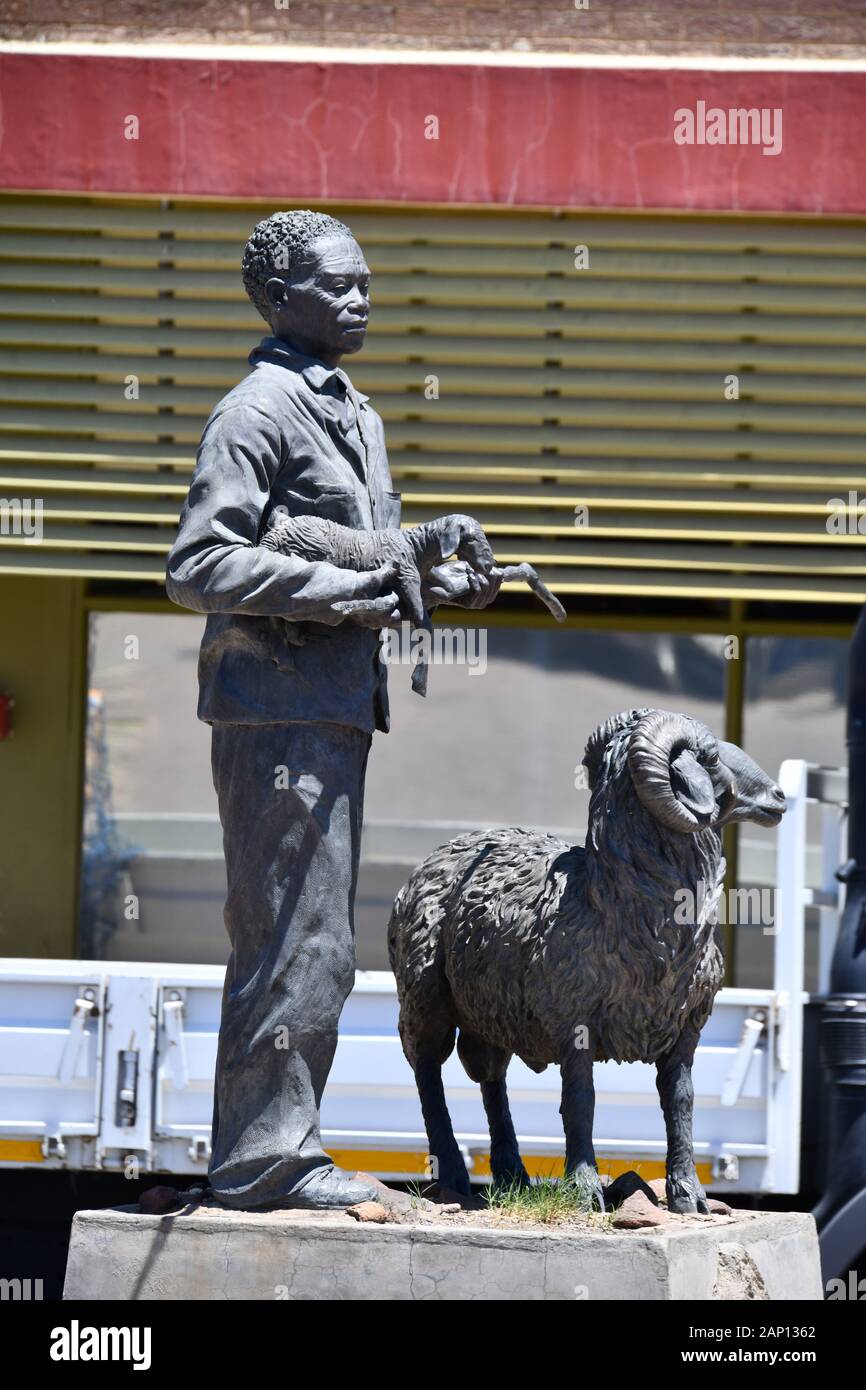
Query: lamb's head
{"x":686,"y":778}
{"x":456,"y":534}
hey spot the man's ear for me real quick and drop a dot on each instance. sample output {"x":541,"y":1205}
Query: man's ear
{"x":275,"y":292}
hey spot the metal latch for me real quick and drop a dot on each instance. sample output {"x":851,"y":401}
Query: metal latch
{"x":53,"y":1147}
{"x":175,"y":1057}
{"x":753,"y":1027}
{"x":127,"y":1088}
{"x":200,"y":1150}
{"x":726,"y":1168}
{"x":84,"y":1006}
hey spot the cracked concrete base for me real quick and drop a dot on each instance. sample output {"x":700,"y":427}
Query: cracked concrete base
{"x":204,"y":1253}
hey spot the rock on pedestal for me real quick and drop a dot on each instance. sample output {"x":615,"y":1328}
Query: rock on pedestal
{"x":209,"y":1253}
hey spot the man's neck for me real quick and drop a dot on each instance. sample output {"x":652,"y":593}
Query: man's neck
{"x":305,"y":349}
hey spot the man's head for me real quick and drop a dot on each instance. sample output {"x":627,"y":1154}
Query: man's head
{"x":306,"y":275}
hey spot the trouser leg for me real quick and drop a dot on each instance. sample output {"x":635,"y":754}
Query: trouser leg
{"x":290,"y":799}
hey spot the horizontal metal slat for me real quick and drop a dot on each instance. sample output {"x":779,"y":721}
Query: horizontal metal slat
{"x":566,"y":442}
{"x":555,"y":512}
{"x":226,"y":352}
{"x":482,"y":324}
{"x":618,"y":524}
{"x":684,"y":555}
{"x":41,"y":473}
{"x":452,"y":406}
{"x":22,"y":370}
{"x":73,"y":558}
{"x":841,"y":451}
{"x":31,"y":252}
{"x":185,"y":217}
{"x":577,"y":290}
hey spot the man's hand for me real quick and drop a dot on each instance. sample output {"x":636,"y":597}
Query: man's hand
{"x":459,"y":584}
{"x":374,"y":604}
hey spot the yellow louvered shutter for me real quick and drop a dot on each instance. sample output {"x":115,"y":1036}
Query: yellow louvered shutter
{"x":558,"y":389}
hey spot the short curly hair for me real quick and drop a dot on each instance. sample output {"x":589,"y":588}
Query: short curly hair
{"x":277,"y":244}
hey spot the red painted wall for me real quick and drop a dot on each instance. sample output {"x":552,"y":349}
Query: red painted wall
{"x":309,"y":131}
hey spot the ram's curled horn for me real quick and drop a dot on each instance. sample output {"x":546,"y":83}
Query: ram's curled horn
{"x":600,"y":741}
{"x":657,"y":739}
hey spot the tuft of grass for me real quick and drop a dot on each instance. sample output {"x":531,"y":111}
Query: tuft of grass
{"x":547,"y":1201}
{"x":414,"y":1190}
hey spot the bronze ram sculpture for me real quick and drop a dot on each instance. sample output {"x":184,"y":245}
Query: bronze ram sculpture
{"x":529,"y":946}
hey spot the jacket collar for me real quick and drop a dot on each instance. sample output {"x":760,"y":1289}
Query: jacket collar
{"x":317,"y":374}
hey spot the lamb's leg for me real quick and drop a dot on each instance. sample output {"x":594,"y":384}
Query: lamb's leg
{"x":448,"y":1168}
{"x":676,"y":1093}
{"x":578,"y":1111}
{"x":529,"y":575}
{"x":487,"y":1065}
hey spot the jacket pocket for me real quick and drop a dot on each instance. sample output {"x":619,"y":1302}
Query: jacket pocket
{"x":327,"y":500}
{"x":391,"y":505}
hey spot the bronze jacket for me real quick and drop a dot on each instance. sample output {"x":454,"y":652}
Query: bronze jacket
{"x":293,"y":434}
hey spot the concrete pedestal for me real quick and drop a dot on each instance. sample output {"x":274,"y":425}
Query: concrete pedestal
{"x":210,"y":1253}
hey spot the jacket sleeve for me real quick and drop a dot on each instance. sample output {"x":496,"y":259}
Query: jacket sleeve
{"x":215,"y":564}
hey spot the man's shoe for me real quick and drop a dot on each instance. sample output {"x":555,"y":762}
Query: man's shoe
{"x":328,"y":1189}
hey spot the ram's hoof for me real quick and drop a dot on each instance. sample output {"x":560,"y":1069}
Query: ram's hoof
{"x":686,"y":1197}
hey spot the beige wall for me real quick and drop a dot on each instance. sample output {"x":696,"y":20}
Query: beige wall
{"x":42,"y":666}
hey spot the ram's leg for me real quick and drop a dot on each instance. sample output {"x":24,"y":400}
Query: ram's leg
{"x":487,"y":1065}
{"x":676,"y":1093}
{"x":506,"y":1165}
{"x":578,"y":1111}
{"x":446,"y":1161}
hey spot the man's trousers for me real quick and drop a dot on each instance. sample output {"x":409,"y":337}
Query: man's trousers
{"x":291,"y":807}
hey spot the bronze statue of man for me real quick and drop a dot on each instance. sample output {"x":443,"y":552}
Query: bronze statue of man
{"x":293,"y":688}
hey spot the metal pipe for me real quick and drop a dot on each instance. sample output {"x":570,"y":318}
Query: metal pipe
{"x":843,"y":1020}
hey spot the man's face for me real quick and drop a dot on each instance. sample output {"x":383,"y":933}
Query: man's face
{"x":324,"y":305}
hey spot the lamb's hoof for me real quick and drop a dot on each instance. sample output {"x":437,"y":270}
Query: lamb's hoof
{"x":686,"y":1197}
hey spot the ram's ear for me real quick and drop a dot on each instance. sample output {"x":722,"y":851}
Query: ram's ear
{"x":692,"y":786}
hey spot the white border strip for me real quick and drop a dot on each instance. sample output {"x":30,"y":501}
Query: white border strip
{"x":253,"y":51}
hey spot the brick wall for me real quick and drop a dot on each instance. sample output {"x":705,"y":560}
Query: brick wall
{"x":749,"y":28}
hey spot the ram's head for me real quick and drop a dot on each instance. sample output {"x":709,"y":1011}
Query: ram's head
{"x":685,"y":777}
